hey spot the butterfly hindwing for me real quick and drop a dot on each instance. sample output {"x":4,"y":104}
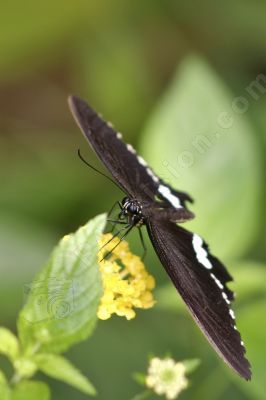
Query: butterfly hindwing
{"x":201,"y":281}
{"x":130,"y":170}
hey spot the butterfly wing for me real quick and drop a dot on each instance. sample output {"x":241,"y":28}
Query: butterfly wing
{"x":199,"y":277}
{"x":201,"y":281}
{"x":129,"y":170}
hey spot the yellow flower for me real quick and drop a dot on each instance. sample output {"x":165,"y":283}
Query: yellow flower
{"x":166,"y":377}
{"x":126,"y":283}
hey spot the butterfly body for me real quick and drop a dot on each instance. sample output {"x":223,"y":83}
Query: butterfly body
{"x":132,"y":210}
{"x":199,"y":277}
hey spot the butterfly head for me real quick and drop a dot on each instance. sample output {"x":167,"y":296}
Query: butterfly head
{"x":132,"y":210}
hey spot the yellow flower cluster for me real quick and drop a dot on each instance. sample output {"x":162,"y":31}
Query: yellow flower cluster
{"x":127,"y":284}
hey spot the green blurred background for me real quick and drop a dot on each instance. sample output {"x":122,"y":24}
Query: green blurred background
{"x":166,"y":73}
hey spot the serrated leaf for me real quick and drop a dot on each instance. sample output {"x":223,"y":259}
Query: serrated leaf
{"x":63,"y":300}
{"x":9,"y":345}
{"x":60,"y":368}
{"x":31,"y":390}
{"x":4,"y":388}
{"x":198,"y":143}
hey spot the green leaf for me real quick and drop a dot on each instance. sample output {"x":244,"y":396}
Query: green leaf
{"x":63,"y":300}
{"x":198,"y":143}
{"x":25,"y":367}
{"x":191,"y":365}
{"x":60,"y":368}
{"x":31,"y":390}
{"x":4,"y":388}
{"x":252,"y":325}
{"x":9,"y":345}
{"x":140,"y":378}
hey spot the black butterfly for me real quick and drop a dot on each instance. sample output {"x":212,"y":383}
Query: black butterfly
{"x":200,"y":278}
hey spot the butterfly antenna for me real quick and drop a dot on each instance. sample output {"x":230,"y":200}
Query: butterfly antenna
{"x":96,"y":170}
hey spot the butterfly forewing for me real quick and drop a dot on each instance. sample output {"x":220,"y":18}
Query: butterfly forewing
{"x":202,"y":287}
{"x":130,"y":170}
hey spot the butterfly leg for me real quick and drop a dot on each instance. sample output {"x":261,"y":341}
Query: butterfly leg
{"x":110,"y":212}
{"x":114,"y":236}
{"x":125,"y":234}
{"x":118,"y":221}
{"x":143,"y":244}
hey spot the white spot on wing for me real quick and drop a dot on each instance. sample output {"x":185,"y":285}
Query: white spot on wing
{"x":131,"y":149}
{"x":231,"y":312}
{"x":218,"y":283}
{"x":201,"y":253}
{"x":119,"y":135}
{"x":225,"y":297}
{"x":152,"y":175}
{"x":166,"y":193}
{"x":110,"y":124}
{"x":142,"y":161}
